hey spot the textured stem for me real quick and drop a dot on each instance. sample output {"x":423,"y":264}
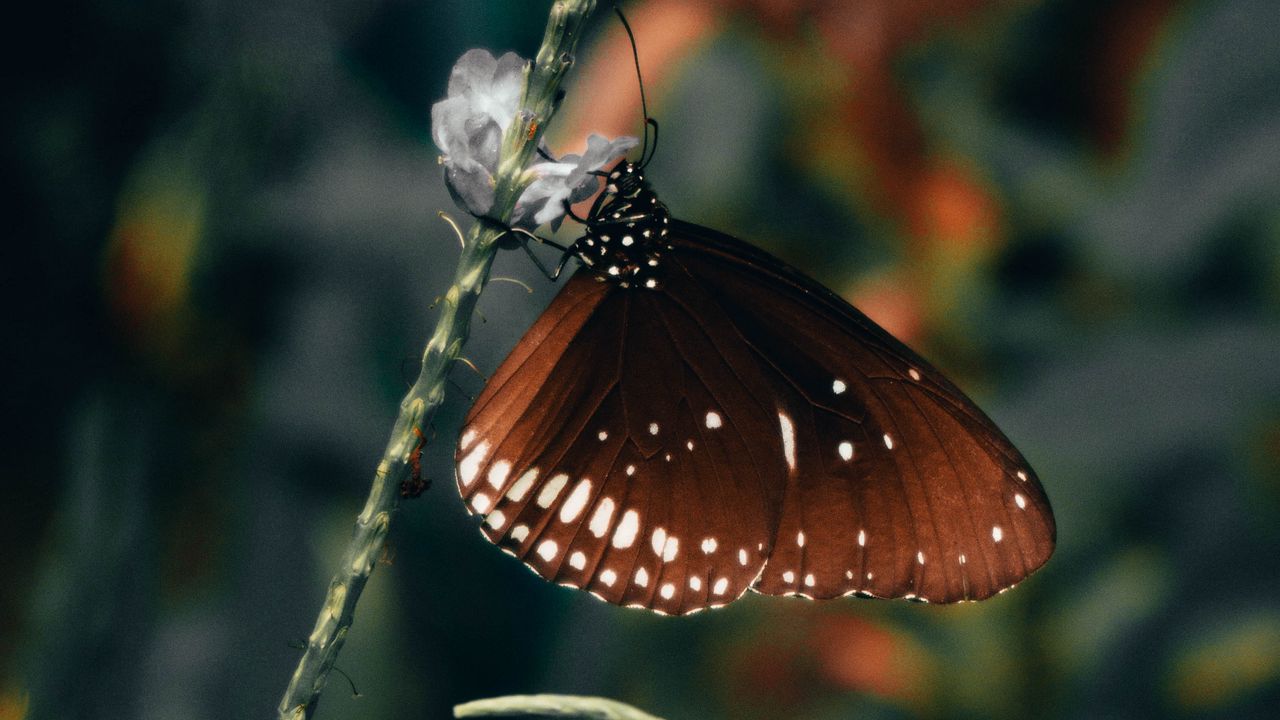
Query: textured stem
{"x":541,"y":97}
{"x":558,"y":706}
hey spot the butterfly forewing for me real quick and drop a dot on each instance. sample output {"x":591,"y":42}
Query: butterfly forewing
{"x":630,"y":470}
{"x":901,"y":487}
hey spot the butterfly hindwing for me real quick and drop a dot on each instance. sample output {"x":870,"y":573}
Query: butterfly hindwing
{"x":900,"y":487}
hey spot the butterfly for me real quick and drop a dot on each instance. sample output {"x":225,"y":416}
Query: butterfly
{"x":691,"y":418}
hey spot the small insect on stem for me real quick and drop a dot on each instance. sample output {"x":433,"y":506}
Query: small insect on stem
{"x":387,"y":556}
{"x":415,"y":484}
{"x":533,"y":130}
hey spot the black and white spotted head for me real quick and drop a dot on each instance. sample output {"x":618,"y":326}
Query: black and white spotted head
{"x":626,"y":231}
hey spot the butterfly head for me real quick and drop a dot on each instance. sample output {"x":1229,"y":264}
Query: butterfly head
{"x":626,"y":231}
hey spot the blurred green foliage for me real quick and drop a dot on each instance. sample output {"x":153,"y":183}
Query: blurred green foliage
{"x":224,"y":248}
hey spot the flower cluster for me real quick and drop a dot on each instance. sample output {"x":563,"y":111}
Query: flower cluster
{"x":483,"y":99}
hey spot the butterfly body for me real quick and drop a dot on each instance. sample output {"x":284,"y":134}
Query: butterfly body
{"x":626,"y":231}
{"x":692,"y":418}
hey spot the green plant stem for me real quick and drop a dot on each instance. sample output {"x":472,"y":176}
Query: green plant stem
{"x":541,"y":90}
{"x":558,"y":706}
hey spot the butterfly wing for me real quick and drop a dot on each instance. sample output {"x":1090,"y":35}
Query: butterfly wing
{"x":593,"y":457}
{"x":897,"y":485}
{"x":741,"y":426}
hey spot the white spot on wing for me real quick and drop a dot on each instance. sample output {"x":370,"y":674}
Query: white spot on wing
{"x":481,"y":502}
{"x":914,"y":373}
{"x":963,"y":559}
{"x":467,"y":438}
{"x":1022,"y":501}
{"x":788,"y":439}
{"x":721,"y":585}
{"x":996,"y":533}
{"x":551,"y":490}
{"x":800,"y":538}
{"x":695,"y":583}
{"x":708,"y":545}
{"x":576,"y":501}
{"x":625,"y":535}
{"x":642,"y":577}
{"x":668,"y":591}
{"x":862,"y":538}
{"x":522,"y":485}
{"x":846,"y":450}
{"x":496,"y":519}
{"x":920,"y":556}
{"x":519,"y":533}
{"x":653,"y":428}
{"x":658,"y":540}
{"x":838,"y":386}
{"x":547,"y":549}
{"x":603,"y":435}
{"x":810,"y":580}
{"x":578,"y":560}
{"x":888,"y":441}
{"x":470,"y":465}
{"x":631,"y":470}
{"x":608,"y":577}
{"x":713,"y":420}
{"x":742,"y":556}
{"x":788,"y":577}
{"x":670,"y":549}
{"x":600,"y":519}
{"x":1022,"y":476}
{"x":498,"y":474}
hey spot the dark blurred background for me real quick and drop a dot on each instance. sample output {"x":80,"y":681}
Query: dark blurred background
{"x":223,"y":252}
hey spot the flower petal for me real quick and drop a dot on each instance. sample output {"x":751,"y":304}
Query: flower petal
{"x":448,"y":119}
{"x":568,"y":179}
{"x":473,"y":70}
{"x":471,"y":185}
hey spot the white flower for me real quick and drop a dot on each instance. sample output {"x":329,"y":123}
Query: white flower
{"x":569,"y":179}
{"x":467,"y":126}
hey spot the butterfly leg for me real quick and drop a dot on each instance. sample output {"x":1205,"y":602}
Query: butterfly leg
{"x":564,"y":259}
{"x":568,"y":210}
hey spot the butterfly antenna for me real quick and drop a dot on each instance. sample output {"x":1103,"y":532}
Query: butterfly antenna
{"x":650,"y":122}
{"x":646,"y":151}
